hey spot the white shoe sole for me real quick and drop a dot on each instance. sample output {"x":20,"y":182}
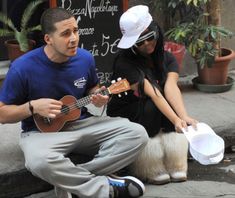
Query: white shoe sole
{"x":178,"y":176}
{"x":160,"y":179}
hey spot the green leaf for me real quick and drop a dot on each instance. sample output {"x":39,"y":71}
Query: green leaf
{"x":4,"y":32}
{"x":195,"y":3}
{"x":200,"y":43}
{"x":30,"y":9}
{"x":213,"y":34}
{"x":36,"y":28}
{"x":6,"y":21}
{"x":188,"y":2}
{"x":21,"y":37}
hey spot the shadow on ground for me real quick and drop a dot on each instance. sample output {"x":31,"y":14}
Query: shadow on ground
{"x":222,"y":172}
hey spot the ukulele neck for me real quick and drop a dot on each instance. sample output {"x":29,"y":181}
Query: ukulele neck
{"x":86,"y":100}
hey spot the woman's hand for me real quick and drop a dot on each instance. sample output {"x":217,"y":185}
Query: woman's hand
{"x":179,"y":125}
{"x":190,"y":121}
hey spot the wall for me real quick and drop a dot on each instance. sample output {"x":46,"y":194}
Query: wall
{"x":228,"y":21}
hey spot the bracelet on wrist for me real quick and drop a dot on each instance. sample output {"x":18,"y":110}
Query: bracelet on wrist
{"x":31,"y":108}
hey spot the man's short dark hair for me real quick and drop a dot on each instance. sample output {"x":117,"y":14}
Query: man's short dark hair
{"x":52,"y":16}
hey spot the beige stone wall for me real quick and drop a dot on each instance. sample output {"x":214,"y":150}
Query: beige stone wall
{"x":228,"y":21}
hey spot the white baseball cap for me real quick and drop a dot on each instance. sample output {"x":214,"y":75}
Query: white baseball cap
{"x":132,"y":23}
{"x":204,"y":145}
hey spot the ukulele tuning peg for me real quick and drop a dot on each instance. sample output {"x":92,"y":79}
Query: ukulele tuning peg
{"x":119,"y":95}
{"x":119,"y":79}
{"x":125,"y":93}
{"x":113,"y":81}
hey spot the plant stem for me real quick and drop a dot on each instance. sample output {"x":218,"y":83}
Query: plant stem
{"x":214,"y":18}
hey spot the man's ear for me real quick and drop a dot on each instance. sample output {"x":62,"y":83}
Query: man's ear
{"x":47,"y":39}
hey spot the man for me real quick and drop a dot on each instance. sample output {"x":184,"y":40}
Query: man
{"x":34,"y":86}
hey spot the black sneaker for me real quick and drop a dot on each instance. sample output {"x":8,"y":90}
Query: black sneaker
{"x":126,"y":187}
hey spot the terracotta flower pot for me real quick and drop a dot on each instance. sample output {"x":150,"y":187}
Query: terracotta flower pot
{"x":217,"y":74}
{"x":13,"y":48}
{"x":177,"y":50}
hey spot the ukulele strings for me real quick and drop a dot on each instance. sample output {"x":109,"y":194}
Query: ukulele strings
{"x":72,"y":106}
{"x":78,"y":104}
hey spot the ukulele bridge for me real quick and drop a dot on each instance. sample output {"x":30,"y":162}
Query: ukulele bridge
{"x":46,"y":120}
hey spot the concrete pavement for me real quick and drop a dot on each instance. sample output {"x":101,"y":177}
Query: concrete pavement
{"x":217,"y":110}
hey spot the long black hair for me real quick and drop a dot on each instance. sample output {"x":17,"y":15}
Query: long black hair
{"x":158,"y":54}
{"x":157,"y":57}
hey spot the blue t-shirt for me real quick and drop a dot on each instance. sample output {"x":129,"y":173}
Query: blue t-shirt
{"x":33,"y":76}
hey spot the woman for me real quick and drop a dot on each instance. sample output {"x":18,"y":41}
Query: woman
{"x":154,"y":100}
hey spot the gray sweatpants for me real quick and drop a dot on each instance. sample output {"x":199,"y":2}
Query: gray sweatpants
{"x":114,"y":142}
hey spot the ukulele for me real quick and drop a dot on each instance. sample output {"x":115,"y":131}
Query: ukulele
{"x":71,"y":108}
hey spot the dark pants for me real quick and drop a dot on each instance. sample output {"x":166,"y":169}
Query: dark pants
{"x":146,"y":114}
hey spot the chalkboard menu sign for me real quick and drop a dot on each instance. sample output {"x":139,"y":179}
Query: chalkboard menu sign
{"x":98,"y":22}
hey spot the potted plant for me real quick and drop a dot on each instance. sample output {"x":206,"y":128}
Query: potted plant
{"x":202,"y":38}
{"x":176,"y":11}
{"x":178,"y":50}
{"x":21,"y":43}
